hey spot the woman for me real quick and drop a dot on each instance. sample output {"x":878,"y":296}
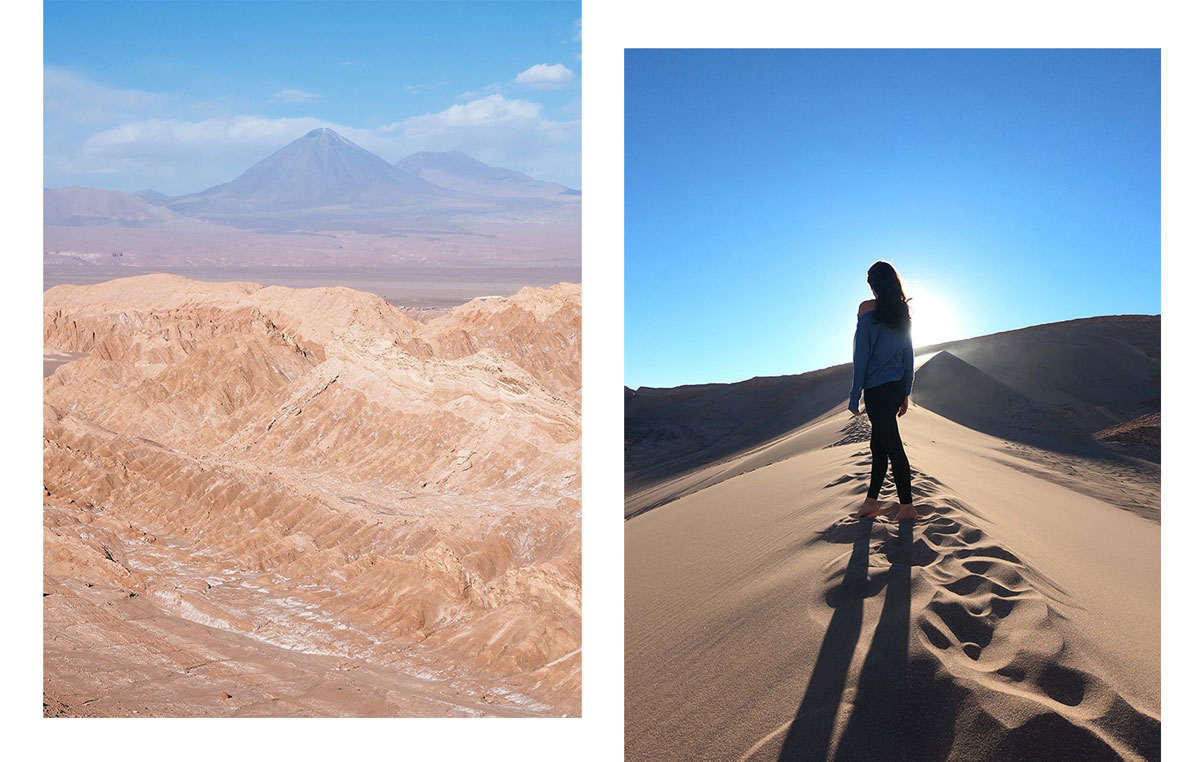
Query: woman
{"x":883,"y":375}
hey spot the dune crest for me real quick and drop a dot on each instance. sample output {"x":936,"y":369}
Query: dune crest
{"x":316,"y":492}
{"x":1017,"y":619}
{"x":1052,"y":388}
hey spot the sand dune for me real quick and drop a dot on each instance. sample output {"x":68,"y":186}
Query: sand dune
{"x":1051,"y":386}
{"x":310,"y":502}
{"x":671,"y":431}
{"x":1017,"y":619}
{"x":1040,"y":383}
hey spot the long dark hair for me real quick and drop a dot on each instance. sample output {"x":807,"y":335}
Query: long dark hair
{"x":891,"y":305}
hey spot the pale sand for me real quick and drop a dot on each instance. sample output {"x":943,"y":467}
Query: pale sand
{"x":1017,"y":619}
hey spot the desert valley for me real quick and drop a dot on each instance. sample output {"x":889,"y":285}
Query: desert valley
{"x":350,"y":487}
{"x":261,"y":500}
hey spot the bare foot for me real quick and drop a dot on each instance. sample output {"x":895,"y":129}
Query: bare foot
{"x":907,"y":511}
{"x":870,"y":507}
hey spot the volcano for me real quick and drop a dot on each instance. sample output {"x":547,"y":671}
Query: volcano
{"x":319,"y":170}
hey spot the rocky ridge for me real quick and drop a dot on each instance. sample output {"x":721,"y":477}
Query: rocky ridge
{"x":311,"y":470}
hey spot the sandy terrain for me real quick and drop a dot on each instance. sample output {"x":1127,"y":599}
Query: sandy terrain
{"x":271,"y":501}
{"x":1017,"y":619}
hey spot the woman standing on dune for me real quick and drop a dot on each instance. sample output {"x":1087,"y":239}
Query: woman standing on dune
{"x":883,"y":375}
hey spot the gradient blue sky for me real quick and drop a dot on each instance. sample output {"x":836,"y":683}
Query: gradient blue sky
{"x":179,"y":96}
{"x":1009,"y":188}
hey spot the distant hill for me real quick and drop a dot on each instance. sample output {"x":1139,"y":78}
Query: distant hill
{"x":153,"y":196}
{"x":460,"y":172}
{"x":75,"y":206}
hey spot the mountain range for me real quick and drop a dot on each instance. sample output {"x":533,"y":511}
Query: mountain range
{"x":323,"y":183}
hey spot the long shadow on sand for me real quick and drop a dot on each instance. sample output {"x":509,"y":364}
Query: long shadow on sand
{"x":891,"y":718}
{"x":811,"y":731}
{"x":885,"y":721}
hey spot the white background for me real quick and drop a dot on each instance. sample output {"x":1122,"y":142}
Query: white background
{"x":608,"y":27}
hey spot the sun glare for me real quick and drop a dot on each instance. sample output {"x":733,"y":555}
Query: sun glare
{"x":934,"y":319}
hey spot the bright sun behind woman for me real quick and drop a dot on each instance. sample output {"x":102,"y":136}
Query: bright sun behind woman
{"x":934,"y":319}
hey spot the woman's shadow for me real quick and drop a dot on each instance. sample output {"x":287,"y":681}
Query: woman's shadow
{"x":881,"y":683}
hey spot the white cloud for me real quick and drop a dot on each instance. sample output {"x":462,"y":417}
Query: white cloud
{"x":150,"y":135}
{"x":76,"y":99}
{"x":183,"y":155}
{"x":180,"y":156}
{"x":419,"y":88}
{"x":472,"y":95}
{"x":294,"y":96}
{"x":494,"y":115}
{"x":485,"y":112}
{"x":545,"y":77}
{"x":504,"y":132}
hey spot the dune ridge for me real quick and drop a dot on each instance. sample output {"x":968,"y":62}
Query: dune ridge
{"x":1049,"y":389}
{"x":308,"y":482}
{"x":1018,"y":619}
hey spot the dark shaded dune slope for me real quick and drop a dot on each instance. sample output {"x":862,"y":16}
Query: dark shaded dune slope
{"x":956,"y":389}
{"x":671,"y":431}
{"x":1050,"y":385}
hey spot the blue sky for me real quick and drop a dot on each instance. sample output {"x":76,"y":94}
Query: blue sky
{"x":179,"y":96}
{"x":1009,"y":188}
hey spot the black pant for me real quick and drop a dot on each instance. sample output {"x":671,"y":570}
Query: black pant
{"x":882,"y":403}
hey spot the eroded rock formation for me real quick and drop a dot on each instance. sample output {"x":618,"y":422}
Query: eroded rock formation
{"x":293,"y":482}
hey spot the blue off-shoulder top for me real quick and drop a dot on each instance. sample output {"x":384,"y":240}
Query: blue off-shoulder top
{"x":880,"y":355}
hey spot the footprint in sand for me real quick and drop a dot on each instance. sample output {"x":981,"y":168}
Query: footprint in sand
{"x":984,"y":620}
{"x":840,"y":480}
